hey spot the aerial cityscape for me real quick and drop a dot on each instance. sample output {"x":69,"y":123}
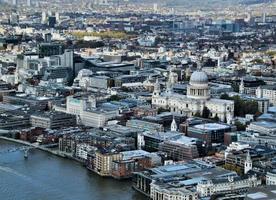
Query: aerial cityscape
{"x":137,"y":99}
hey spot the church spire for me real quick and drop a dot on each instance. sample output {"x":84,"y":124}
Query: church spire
{"x":198,"y":66}
{"x":241,"y":88}
{"x":247,"y":163}
{"x":173,"y":125}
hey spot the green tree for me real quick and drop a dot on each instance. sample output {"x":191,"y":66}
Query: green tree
{"x":240,"y":126}
{"x":197,"y":114}
{"x":235,"y":87}
{"x":225,"y":96}
{"x":102,"y":34}
{"x":115,"y":98}
{"x":205,"y":112}
{"x":161,"y":110}
{"x":271,"y":53}
{"x":258,"y":61}
{"x":216,"y":118}
{"x":126,"y":89}
{"x":242,"y":107}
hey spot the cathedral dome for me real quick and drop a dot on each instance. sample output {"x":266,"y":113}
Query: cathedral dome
{"x":199,"y":78}
{"x":198,"y":87}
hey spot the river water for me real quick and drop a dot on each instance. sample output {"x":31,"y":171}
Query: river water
{"x":46,"y":177}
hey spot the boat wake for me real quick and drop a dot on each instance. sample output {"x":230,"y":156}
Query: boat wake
{"x":12,"y":171}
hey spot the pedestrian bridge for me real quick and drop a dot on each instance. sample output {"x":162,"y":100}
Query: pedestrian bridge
{"x":15,"y":149}
{"x":28,"y":145}
{"x":4,"y":132}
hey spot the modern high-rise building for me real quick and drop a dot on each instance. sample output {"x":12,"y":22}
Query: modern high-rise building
{"x":14,"y":2}
{"x":44,"y":17}
{"x":155,"y":7}
{"x":29,"y":3}
{"x":57,"y":17}
{"x":52,"y":21}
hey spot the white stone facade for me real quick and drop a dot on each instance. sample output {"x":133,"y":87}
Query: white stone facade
{"x":82,"y":150}
{"x":268,"y":92}
{"x":271,"y":178}
{"x":198,"y":97}
{"x":160,"y":193}
{"x":87,"y":113}
{"x":208,"y":188}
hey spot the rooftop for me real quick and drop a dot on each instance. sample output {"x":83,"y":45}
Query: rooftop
{"x":184,"y":140}
{"x":265,"y":124}
{"x":262,"y":193}
{"x":164,"y":135}
{"x":135,"y":153}
{"x":212,"y":126}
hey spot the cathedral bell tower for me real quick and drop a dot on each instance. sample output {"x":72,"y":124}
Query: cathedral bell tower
{"x":157,"y":89}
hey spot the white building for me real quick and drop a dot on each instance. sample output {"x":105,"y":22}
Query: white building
{"x":235,"y":146}
{"x":271,"y":178}
{"x":86,"y":111}
{"x":198,"y":98}
{"x":82,"y":150}
{"x":147,"y":41}
{"x":268,"y":92}
{"x":163,"y":192}
{"x":265,"y":127}
{"x":209,"y":188}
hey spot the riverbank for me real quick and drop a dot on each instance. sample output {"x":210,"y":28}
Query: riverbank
{"x":35,"y":146}
{"x":52,"y":177}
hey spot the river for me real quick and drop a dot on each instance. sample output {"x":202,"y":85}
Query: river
{"x":47,"y":177}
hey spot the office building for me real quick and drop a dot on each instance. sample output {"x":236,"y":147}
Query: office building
{"x":53,"y":120}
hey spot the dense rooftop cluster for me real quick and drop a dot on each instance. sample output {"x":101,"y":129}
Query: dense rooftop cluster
{"x":184,"y":103}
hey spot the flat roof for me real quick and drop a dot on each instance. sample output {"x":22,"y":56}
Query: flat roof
{"x":192,"y":181}
{"x":211,"y":126}
{"x":272,"y":109}
{"x":265,"y":124}
{"x":257,"y":195}
{"x":184,"y":140}
{"x":262,"y":193}
{"x":135,"y":153}
{"x":6,"y":106}
{"x":179,"y":168}
{"x":163,"y":135}
{"x":121,"y":129}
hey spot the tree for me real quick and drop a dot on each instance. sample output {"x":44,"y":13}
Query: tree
{"x":271,"y":53}
{"x":161,"y":110}
{"x":197,"y":114}
{"x":205,"y":112}
{"x":232,"y":167}
{"x":216,"y":118}
{"x":225,"y":96}
{"x":126,"y":89}
{"x":186,"y":78}
{"x":240,"y":126}
{"x":102,"y":34}
{"x":115,"y":98}
{"x":242,"y":107}
{"x":258,"y":61}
